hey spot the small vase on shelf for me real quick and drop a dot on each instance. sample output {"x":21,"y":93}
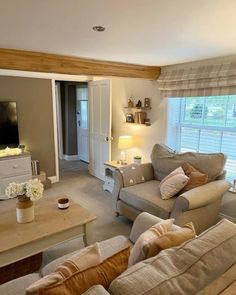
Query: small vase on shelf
{"x":24,"y":210}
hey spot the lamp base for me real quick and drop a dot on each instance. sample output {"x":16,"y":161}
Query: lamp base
{"x":123,"y":158}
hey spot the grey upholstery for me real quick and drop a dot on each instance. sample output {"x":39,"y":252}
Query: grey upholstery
{"x":146,"y":197}
{"x":18,"y":286}
{"x":199,"y":205}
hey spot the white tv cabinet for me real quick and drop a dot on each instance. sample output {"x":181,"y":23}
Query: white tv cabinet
{"x":14,"y":169}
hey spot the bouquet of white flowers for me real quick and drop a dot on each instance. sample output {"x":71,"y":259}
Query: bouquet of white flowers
{"x":32,"y":189}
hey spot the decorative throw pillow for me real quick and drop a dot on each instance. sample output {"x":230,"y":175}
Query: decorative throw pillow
{"x":146,"y":240}
{"x":173,"y":183}
{"x":83,"y":259}
{"x":171,"y":239}
{"x":101,"y":274}
{"x":196,"y":178}
{"x":132,"y":174}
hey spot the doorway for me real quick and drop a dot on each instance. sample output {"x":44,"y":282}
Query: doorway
{"x":72,"y":128}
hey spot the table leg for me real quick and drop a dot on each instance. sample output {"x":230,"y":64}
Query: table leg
{"x":88,"y":234}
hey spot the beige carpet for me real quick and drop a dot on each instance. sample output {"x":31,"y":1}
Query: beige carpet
{"x":87,"y":190}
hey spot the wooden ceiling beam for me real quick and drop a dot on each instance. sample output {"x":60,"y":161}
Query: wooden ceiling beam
{"x":61,"y":64}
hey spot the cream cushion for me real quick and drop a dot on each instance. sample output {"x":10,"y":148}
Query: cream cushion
{"x":173,"y":183}
{"x":85,"y":258}
{"x":146,"y":240}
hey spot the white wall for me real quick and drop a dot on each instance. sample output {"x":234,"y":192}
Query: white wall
{"x":145,"y":137}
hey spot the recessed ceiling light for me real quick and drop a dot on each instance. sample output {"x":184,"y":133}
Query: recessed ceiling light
{"x":99,"y":29}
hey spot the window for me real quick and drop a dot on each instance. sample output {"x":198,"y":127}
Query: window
{"x":204,"y":124}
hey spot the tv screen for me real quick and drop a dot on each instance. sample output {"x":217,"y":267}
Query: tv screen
{"x":9,"y":136}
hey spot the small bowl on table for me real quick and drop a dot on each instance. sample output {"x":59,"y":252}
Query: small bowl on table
{"x":63,"y":203}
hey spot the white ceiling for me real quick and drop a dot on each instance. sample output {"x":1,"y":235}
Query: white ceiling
{"x":151,"y":32}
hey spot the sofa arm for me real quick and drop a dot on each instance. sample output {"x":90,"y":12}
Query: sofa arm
{"x":200,"y":196}
{"x":142,"y":223}
{"x":118,"y":184}
{"x":147,"y":171}
{"x":96,"y":290}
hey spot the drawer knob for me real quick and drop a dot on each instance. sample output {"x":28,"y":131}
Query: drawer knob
{"x":15,"y":166}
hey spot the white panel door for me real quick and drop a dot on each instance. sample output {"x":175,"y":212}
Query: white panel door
{"x":100,"y":126}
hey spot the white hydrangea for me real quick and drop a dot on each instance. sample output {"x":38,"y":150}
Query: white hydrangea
{"x":14,"y":189}
{"x":34,"y":189}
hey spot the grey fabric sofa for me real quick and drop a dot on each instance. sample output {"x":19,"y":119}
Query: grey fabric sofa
{"x":204,"y":265}
{"x":199,"y":205}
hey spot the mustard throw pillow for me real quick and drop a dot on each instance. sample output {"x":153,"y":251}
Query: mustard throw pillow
{"x":101,"y":274}
{"x":196,"y":178}
{"x":171,"y":239}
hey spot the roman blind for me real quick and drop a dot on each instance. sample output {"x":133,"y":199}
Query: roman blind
{"x":208,"y":80}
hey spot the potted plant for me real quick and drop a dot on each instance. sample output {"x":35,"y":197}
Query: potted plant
{"x":137,"y":160}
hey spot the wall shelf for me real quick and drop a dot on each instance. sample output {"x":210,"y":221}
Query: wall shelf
{"x":138,"y":124}
{"x":136,"y":108}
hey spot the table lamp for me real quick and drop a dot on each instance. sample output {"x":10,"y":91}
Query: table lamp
{"x":125,"y":142}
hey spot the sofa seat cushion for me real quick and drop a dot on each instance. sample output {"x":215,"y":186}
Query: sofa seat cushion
{"x":186,"y":269}
{"x":147,"y":197}
{"x":19,"y":285}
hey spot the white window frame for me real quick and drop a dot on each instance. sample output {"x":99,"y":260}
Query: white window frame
{"x":175,"y":118}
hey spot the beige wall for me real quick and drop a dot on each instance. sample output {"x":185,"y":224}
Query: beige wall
{"x":35,"y":116}
{"x":145,"y":137}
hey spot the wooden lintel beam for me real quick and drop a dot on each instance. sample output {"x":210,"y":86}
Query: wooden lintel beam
{"x":53,"y":63}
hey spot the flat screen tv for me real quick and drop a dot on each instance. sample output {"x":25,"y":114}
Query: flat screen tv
{"x":9,"y":136}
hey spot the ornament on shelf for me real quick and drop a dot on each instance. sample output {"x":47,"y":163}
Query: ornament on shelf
{"x":139,"y":104}
{"x":130,"y":102}
{"x":147,"y":102}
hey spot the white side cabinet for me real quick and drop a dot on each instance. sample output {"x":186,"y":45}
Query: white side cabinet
{"x":14,"y":169}
{"x":110,"y":167}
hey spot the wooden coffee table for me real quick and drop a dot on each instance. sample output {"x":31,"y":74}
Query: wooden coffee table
{"x":51,"y":226}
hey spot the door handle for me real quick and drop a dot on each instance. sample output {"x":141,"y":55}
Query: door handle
{"x":108,"y":138}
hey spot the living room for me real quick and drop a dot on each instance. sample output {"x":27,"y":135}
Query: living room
{"x":167,"y":86}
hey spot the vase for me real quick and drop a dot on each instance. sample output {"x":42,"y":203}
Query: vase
{"x":24,"y":210}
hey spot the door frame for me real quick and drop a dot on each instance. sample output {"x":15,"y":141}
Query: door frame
{"x":53,"y":78}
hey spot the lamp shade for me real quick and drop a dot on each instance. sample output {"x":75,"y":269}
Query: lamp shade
{"x":125,"y":142}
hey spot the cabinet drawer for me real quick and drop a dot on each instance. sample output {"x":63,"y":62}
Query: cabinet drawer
{"x":5,"y":181}
{"x":15,"y":167}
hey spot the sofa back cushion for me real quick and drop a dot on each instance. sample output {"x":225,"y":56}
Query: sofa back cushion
{"x":165,"y":160}
{"x":186,"y":269}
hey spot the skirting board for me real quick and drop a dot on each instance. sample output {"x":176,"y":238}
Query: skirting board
{"x":71,"y":157}
{"x":53,"y":179}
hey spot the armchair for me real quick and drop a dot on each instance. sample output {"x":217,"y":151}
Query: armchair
{"x":200,"y":205}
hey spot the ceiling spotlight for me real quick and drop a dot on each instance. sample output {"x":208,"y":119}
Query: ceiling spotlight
{"x":99,"y":29}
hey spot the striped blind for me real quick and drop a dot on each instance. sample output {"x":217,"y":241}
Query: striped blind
{"x":209,"y":80}
{"x":204,"y":124}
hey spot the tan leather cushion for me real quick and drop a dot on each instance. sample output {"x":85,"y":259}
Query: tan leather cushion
{"x":196,"y":178}
{"x":165,"y":160}
{"x":173,"y":183}
{"x":146,"y":240}
{"x":171,"y":239}
{"x":101,"y":274}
